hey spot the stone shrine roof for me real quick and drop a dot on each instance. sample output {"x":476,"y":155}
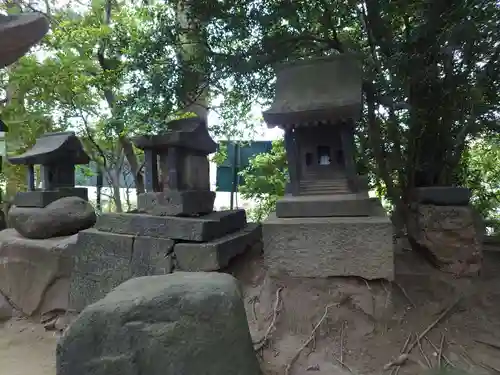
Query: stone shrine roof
{"x":18,"y":33}
{"x":321,"y":90}
{"x":189,"y":133}
{"x":52,"y":148}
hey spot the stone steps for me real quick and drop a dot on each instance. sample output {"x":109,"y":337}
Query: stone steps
{"x":320,"y":187}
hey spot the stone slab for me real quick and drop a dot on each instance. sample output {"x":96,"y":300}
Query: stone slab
{"x":29,"y":267}
{"x":199,"y":229}
{"x":328,"y":247}
{"x":325,"y":205}
{"x":216,"y":254}
{"x":40,"y":198}
{"x":105,"y":260}
{"x":153,"y":253}
{"x":176,"y":203}
{"x":102,"y":262}
{"x":442,"y":195}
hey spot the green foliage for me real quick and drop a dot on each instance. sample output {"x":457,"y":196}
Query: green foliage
{"x":265,"y":180}
{"x":221,"y":154}
{"x":480,"y":172}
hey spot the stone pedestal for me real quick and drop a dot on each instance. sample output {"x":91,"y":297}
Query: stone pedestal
{"x":123,"y":246}
{"x":329,"y":246}
{"x":42,"y":198}
{"x":442,"y":195}
{"x":176,"y":203}
{"x":326,"y":205}
{"x":451,"y":235}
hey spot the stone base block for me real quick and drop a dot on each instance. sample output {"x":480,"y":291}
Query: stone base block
{"x":215,"y":255}
{"x":442,"y":195}
{"x":105,"y":260}
{"x":29,"y":267}
{"x":176,"y":203}
{"x":326,"y":205}
{"x":199,"y":229}
{"x":327,"y":247}
{"x":39,"y":198}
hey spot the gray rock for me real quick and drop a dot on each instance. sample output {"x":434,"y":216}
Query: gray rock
{"x":64,"y":217}
{"x":183,"y":323}
{"x":6,"y":310}
{"x":30,"y":269}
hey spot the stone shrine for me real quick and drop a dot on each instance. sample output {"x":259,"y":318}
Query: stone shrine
{"x":183,"y":188}
{"x":57,"y":154}
{"x":36,"y":251}
{"x":326,"y":225}
{"x":175,"y":229}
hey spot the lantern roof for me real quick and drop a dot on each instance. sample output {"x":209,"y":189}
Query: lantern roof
{"x":18,"y":33}
{"x":319,"y":90}
{"x":189,"y":133}
{"x":54,"y":148}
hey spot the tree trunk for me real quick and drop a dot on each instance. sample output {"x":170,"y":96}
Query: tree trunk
{"x":193,"y":90}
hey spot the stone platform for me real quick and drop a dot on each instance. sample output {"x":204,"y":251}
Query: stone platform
{"x":123,"y":246}
{"x":329,"y":246}
{"x":326,"y":205}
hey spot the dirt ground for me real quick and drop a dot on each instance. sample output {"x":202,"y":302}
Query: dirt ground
{"x":361,"y":324}
{"x":368,"y":323}
{"x":26,"y":348}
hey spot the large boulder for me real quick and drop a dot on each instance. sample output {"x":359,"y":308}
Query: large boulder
{"x":182,"y":323}
{"x":64,"y":217}
{"x":31,"y":271}
{"x":451,"y":234}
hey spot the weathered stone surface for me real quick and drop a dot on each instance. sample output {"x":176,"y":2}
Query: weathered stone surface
{"x":18,"y":33}
{"x":105,"y":260}
{"x":102,"y":262}
{"x":203,"y":228}
{"x":28,"y":267}
{"x":442,"y":195}
{"x":42,"y":199}
{"x":56,"y":296}
{"x":325,"y":205}
{"x":152,"y":253}
{"x":176,"y":203}
{"x":452,"y":235}
{"x":183,"y":323}
{"x":326,"y":247}
{"x":6,"y":310}
{"x":63,"y":217}
{"x":215,"y":255}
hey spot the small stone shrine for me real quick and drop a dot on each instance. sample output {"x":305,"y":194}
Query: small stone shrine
{"x":175,"y":227}
{"x":57,"y":154}
{"x":326,"y":225}
{"x":182,"y":188}
{"x":36,"y":250}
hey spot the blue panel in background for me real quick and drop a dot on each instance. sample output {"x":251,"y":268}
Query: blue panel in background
{"x":238,"y":158}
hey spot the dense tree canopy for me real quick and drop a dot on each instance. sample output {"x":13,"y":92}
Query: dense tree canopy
{"x":112,"y":69}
